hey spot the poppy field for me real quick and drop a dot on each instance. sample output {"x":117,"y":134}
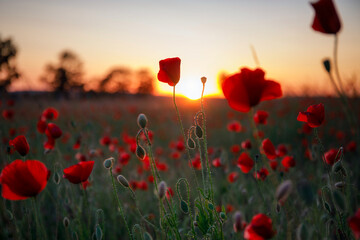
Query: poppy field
{"x":253,"y":165}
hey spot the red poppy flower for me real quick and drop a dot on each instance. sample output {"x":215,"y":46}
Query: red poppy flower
{"x":245,"y":163}
{"x":169,"y":71}
{"x":248,"y":88}
{"x":196,"y":162}
{"x":262,"y":174}
{"x":306,"y":129}
{"x":180,"y":146}
{"x":79,"y":172}
{"x":142,"y":185}
{"x":50,"y":114}
{"x":235,"y":148}
{"x":49,"y":144}
{"x":20,"y":144}
{"x":21,"y":180}
{"x":288,"y":162}
{"x":281,"y":150}
{"x":124,"y":158}
{"x":260,"y":117}
{"x":260,"y":228}
{"x":269,"y":149}
{"x":232,"y":177}
{"x":76,"y":144}
{"x":273,"y":164}
{"x":234,"y":126}
{"x":216,"y":162}
{"x":314,"y":115}
{"x":53,"y":131}
{"x":80,"y":157}
{"x":162,"y":166}
{"x":105,"y":141}
{"x":331,"y":155}
{"x":354,"y":224}
{"x":169,"y":193}
{"x":41,"y":126}
{"x":351,"y":146}
{"x":8,"y":114}
{"x":246,"y":144}
{"x":326,"y":19}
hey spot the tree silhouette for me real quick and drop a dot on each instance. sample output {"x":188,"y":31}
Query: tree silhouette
{"x":66,"y":75}
{"x":117,"y":80}
{"x":8,"y":71}
{"x":145,"y":82}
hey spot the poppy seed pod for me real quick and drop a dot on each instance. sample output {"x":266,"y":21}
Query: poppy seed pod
{"x":140,"y":152}
{"x":123,"y":181}
{"x":283,"y":191}
{"x":162,"y":189}
{"x":142,"y":120}
{"x":203,"y":80}
{"x":108,"y":163}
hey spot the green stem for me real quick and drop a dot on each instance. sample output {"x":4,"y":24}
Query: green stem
{"x":336,"y":64}
{"x":39,"y":228}
{"x":119,"y":204}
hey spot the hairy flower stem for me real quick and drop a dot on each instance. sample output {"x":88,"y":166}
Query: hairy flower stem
{"x":119,"y":203}
{"x":39,"y":227}
{"x":183,"y":133}
{"x":205,"y":144}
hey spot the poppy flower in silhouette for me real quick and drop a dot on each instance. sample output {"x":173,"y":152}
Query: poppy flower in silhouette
{"x":245,"y":163}
{"x":354,"y":224}
{"x":79,"y":172}
{"x":53,"y":131}
{"x":332,"y":156}
{"x":326,"y":19}
{"x":248,"y":88}
{"x":23,"y":179}
{"x":169,"y":71}
{"x":269,"y":149}
{"x":259,"y":228}
{"x":50,"y":114}
{"x":314,"y":115}
{"x":288,"y":162}
{"x":260,"y":117}
{"x":20,"y":144}
{"x":234,"y":126}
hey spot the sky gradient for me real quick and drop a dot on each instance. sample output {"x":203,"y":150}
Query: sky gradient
{"x":209,"y":36}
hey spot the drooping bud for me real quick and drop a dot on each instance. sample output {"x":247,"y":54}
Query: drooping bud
{"x":337,"y":167}
{"x":327,"y":65}
{"x":140,"y":152}
{"x":142,"y":120}
{"x":339,"y":185}
{"x":238,"y":219}
{"x":108,"y":163}
{"x":123,"y":181}
{"x":184,"y":207}
{"x":162,"y":189}
{"x":203,"y":80}
{"x":190,"y":143}
{"x":66,"y":222}
{"x":283,"y":191}
{"x":198,"y":132}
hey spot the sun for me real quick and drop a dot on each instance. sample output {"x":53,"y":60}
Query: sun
{"x":190,"y":89}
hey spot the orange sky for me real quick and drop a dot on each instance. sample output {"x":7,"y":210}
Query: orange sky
{"x":209,"y":36}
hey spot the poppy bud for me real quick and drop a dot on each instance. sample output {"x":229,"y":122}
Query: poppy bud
{"x":140,"y":152}
{"x":142,"y":120}
{"x":327,"y":65}
{"x":108,"y":163}
{"x":211,"y":206}
{"x":162,"y":189}
{"x":66,"y":222}
{"x":238,"y":218}
{"x":283,"y":191}
{"x":56,"y":178}
{"x":123,"y":181}
{"x":184,"y":207}
{"x":222,"y":215}
{"x":327,"y":207}
{"x":190,"y":143}
{"x":203,"y":80}
{"x":340,"y":185}
{"x":337,"y":167}
{"x":147,"y":236}
{"x":98,"y":232}
{"x":198,"y":132}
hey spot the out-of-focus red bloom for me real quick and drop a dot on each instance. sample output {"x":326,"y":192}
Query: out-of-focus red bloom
{"x":180,"y":146}
{"x":175,"y":155}
{"x":8,"y":114}
{"x":326,"y":19}
{"x":211,"y":150}
{"x":41,"y":126}
{"x":245,"y":163}
{"x":10,"y":102}
{"x":273,"y":164}
{"x":246,"y":144}
{"x":20,"y":144}
{"x":259,"y":134}
{"x":260,"y":117}
{"x":340,"y":135}
{"x":351,"y":146}
{"x":232,"y":177}
{"x":269,"y":149}
{"x":281,"y":150}
{"x":77,"y":144}
{"x":49,"y":144}
{"x":79,"y":172}
{"x":229,"y":208}
{"x":80,"y":157}
{"x":196,"y":162}
{"x":306,"y":129}
{"x":314,"y":115}
{"x":234,"y":126}
{"x":50,"y":114}
{"x":331,"y":155}
{"x":248,"y":88}
{"x":260,"y":228}
{"x":235,"y":148}
{"x":12,"y":132}
{"x":216,"y":162}
{"x":262,"y":174}
{"x":162,"y":166}
{"x":288,"y":162}
{"x":105,"y":141}
{"x":21,"y":180}
{"x":143,"y":185}
{"x":124,"y":158}
{"x":85,"y":184}
{"x":169,"y":193}
{"x":169,"y":71}
{"x":53,"y":131}
{"x":354,"y":224}
{"x":132,"y":147}
{"x":151,"y":178}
